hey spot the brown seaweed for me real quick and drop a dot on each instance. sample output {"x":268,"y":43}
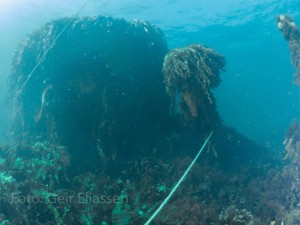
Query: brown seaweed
{"x":291,"y":33}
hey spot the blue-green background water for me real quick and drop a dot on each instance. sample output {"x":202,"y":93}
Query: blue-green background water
{"x":256,"y":95}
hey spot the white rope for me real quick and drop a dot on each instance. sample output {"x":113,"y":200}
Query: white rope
{"x":43,"y":56}
{"x":179,"y":182}
{"x":52,"y":44}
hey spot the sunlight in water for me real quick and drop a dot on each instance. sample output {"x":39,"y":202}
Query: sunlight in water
{"x":6,"y":4}
{"x":9,"y":8}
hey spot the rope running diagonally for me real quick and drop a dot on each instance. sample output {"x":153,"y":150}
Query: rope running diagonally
{"x":44,"y":55}
{"x":52,"y":44}
{"x":179,"y":182}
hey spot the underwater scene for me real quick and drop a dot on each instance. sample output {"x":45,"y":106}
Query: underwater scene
{"x":128,"y":112}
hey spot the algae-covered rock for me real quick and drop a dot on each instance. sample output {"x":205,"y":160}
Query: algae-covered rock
{"x":190,"y":73}
{"x":100,"y":86}
{"x":291,"y":33}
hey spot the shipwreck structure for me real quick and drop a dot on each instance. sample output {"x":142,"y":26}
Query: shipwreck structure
{"x":111,"y":98}
{"x":100,"y":88}
{"x":108,"y":87}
